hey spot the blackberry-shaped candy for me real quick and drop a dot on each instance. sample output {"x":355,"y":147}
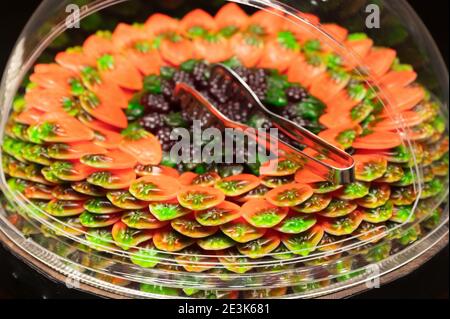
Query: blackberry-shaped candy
{"x":210,"y":97}
{"x":289,"y":112}
{"x":296,"y":93}
{"x":243,"y":72}
{"x":190,"y":114}
{"x":155,"y":103}
{"x":152,"y":122}
{"x":255,"y":78}
{"x":235,"y":111}
{"x":219,"y":89}
{"x":163,"y":135}
{"x":183,"y":76}
{"x":167,"y":89}
{"x":200,"y":73}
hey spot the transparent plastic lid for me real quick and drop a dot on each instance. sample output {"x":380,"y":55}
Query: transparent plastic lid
{"x":89,"y":115}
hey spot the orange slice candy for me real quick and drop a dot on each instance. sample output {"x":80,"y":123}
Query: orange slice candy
{"x":263,"y":214}
{"x":360,"y":48}
{"x":337,"y":32}
{"x":199,"y":197}
{"x":379,"y":61}
{"x":98,"y":44}
{"x":177,"y":51}
{"x":270,"y":21}
{"x":146,"y":62}
{"x":74,"y":60}
{"x":64,"y":128}
{"x":303,"y":72}
{"x":107,"y":138}
{"x":289,"y":195}
{"x":159,"y":24}
{"x":231,"y":15}
{"x":155,"y":188}
{"x":406,"y":98}
{"x":395,"y":79}
{"x":113,"y":179}
{"x":113,"y":159}
{"x":51,"y":68}
{"x":30,"y":117}
{"x":125,"y":35}
{"x":145,"y":148}
{"x":275,"y":56}
{"x":325,"y":87}
{"x":72,"y":151}
{"x":102,"y":111}
{"x":407,"y":118}
{"x":145,"y":170}
{"x":342,"y":136}
{"x":213,"y":50}
{"x":247,"y":48}
{"x":378,"y":141}
{"x":302,"y":30}
{"x":237,"y":185}
{"x":55,"y":80}
{"x":119,"y":70}
{"x":48,"y":100}
{"x":197,"y":18}
{"x":341,"y":103}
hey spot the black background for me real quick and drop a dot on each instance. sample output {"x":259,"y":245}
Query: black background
{"x":19,"y":281}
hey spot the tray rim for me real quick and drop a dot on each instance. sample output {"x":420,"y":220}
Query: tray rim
{"x":360,"y":288}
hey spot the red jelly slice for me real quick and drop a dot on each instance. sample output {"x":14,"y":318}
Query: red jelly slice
{"x":113,"y":159}
{"x":159,"y":24}
{"x":197,"y":18}
{"x":155,"y":188}
{"x":289,"y":195}
{"x":230,"y":15}
{"x":262,"y":214}
{"x":71,"y":151}
{"x":60,"y":127}
{"x":200,"y":198}
{"x":143,"y":146}
{"x":378,"y":141}
{"x":177,"y":51}
{"x":380,"y":60}
{"x":98,"y":44}
{"x":238,"y":184}
{"x":247,"y":48}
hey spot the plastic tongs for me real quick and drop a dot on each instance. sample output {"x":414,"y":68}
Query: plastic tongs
{"x":338,"y":167}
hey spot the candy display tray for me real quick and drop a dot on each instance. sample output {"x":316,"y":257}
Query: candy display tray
{"x":57,"y":269}
{"x":319,"y":275}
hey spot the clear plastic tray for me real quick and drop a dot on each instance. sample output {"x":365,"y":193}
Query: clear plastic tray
{"x":328,"y":266}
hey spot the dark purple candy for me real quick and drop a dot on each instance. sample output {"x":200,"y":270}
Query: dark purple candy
{"x":296,"y":93}
{"x":155,"y":103}
{"x":152,"y":122}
